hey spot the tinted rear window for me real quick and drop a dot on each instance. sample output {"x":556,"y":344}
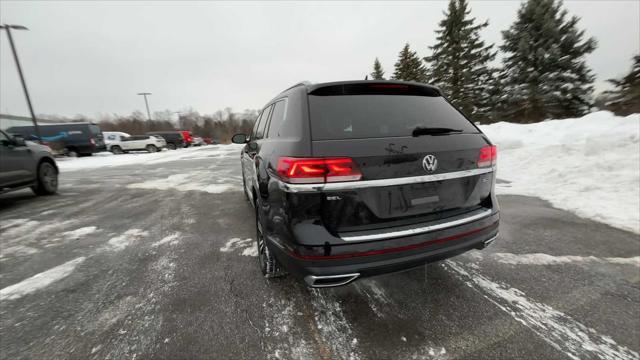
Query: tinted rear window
{"x":95,"y":130}
{"x":369,"y":116}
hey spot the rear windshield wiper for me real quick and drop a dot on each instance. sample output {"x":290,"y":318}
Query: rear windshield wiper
{"x":419,"y":131}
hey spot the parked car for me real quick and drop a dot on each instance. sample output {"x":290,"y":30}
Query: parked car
{"x":26,"y":164}
{"x":111,"y":137}
{"x":197,"y":141}
{"x":124,"y":144}
{"x":75,"y":139}
{"x":174,"y":139}
{"x":188,"y":138}
{"x":358,"y":178}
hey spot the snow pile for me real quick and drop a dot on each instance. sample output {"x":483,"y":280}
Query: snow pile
{"x":127,"y":238}
{"x":81,"y":232}
{"x":171,"y":238}
{"x":546,"y":259}
{"x":192,"y":181}
{"x":589,"y":165}
{"x":40,"y":281}
{"x":107,"y":159}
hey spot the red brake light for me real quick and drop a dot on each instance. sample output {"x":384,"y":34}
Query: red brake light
{"x":488,"y":156}
{"x":316,"y":170}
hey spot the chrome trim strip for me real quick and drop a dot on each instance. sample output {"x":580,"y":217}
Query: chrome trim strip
{"x":311,"y":279}
{"x":418,"y":230}
{"x":490,"y":241}
{"x":350,"y":185}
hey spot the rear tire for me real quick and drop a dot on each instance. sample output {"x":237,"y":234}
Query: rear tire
{"x":116,"y":150}
{"x":269,"y":265}
{"x":47,"y":182}
{"x":151,"y":148}
{"x":171,"y":146}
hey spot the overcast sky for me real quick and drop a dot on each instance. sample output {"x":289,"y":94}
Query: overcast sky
{"x":90,"y":57}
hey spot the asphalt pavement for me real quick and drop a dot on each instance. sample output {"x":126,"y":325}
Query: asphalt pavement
{"x":157,"y":261}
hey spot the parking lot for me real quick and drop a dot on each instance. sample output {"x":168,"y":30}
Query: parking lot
{"x":156,"y":260}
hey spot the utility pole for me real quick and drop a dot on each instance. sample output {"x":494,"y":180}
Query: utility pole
{"x":24,"y":84}
{"x":146,"y":102}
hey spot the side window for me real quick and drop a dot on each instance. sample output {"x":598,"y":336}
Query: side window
{"x":255,"y":126}
{"x":111,"y":137}
{"x":279,"y":109}
{"x":263,"y":122}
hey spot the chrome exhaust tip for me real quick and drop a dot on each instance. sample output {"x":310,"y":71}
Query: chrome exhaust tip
{"x":330,"y":280}
{"x":490,"y":241}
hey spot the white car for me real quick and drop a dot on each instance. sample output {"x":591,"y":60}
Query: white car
{"x":111,"y":137}
{"x":123,"y":142}
{"x":197,"y":141}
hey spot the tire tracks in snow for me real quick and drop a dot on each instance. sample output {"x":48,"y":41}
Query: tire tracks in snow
{"x":561,"y":331}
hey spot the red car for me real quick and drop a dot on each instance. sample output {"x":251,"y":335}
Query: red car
{"x":186,"y":135}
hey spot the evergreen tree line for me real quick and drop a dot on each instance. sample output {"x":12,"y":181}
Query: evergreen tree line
{"x":543,"y":72}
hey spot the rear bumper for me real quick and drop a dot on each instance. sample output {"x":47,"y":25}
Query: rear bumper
{"x":350,"y":261}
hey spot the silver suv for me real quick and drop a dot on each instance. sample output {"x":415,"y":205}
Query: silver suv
{"x":26,"y":164}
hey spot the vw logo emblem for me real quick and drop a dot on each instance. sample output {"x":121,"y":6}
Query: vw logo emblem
{"x":430,"y":163}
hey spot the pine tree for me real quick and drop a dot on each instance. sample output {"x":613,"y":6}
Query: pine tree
{"x":625,"y":98}
{"x":409,"y":66}
{"x":544,"y":69}
{"x":378,"y":73}
{"x":459,"y":62}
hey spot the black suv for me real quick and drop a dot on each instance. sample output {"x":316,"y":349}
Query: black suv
{"x":174,"y":139}
{"x":357,"y":178}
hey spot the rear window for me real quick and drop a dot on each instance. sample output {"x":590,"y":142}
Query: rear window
{"x":95,"y":130}
{"x":335,"y":117}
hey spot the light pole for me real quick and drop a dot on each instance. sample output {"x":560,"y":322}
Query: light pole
{"x":178,"y":113}
{"x":24,"y":84}
{"x":146,"y":102}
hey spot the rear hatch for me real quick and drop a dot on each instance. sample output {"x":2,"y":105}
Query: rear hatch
{"x":392,"y":132}
{"x":97,"y":136}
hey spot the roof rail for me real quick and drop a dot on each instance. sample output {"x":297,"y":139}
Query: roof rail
{"x":302,"y":83}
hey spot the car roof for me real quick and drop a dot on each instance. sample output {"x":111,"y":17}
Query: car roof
{"x":54,"y":124}
{"x":310,"y":87}
{"x":67,"y":123}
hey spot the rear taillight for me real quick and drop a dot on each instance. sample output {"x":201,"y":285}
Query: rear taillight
{"x":93,"y":142}
{"x":488,"y":156}
{"x":316,"y":170}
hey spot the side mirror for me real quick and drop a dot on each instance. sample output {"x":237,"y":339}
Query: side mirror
{"x":19,"y":141}
{"x":239,"y":139}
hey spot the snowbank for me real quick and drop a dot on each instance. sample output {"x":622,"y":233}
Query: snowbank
{"x":107,"y":159}
{"x":589,"y":166}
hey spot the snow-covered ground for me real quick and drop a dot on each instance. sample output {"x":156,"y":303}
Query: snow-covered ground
{"x":107,"y":159}
{"x":589,"y":166}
